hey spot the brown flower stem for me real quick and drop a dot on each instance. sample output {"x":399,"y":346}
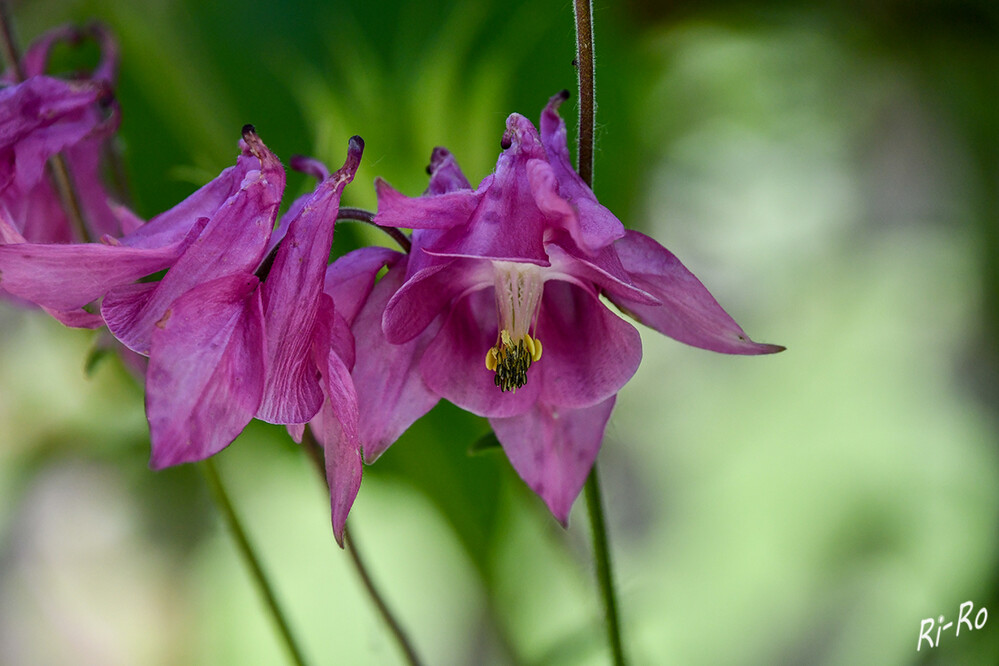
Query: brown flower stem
{"x":315,"y":453}
{"x":587,"y":118}
{"x":56,"y":167}
{"x":361,"y":215}
{"x":587,"y":97}
{"x":224,"y":505}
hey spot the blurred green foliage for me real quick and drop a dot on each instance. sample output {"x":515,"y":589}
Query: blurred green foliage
{"x":829,"y":170}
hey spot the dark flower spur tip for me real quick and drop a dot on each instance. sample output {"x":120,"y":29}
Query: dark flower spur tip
{"x":565,"y":94}
{"x":355,"y":148}
{"x":507,"y":141}
{"x":248,"y":129}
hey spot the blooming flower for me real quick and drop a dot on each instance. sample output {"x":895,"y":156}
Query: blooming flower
{"x":234,"y":336}
{"x":64,"y":277}
{"x":511,"y":273}
{"x":45,"y":116}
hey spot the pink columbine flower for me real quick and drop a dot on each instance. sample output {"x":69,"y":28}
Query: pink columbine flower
{"x":500,"y":303}
{"x":43,"y":116}
{"x":65,"y":277}
{"x":235,"y":332}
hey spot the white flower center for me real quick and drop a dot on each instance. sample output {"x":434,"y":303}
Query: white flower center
{"x":518,"y":289}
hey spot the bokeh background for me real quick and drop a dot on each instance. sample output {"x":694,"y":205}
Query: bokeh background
{"x":829,"y":170}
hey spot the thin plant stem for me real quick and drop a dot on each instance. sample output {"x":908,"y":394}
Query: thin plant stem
{"x":361,"y":215}
{"x":587,"y":95}
{"x":602,"y":557}
{"x":583,"y":10}
{"x":9,"y":45}
{"x":224,"y":505}
{"x":57,"y":169}
{"x":383,"y":609}
{"x":315,"y":453}
{"x":68,"y":196}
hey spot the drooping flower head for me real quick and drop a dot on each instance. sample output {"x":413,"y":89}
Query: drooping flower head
{"x":240,"y":332}
{"x":512,"y":273}
{"x":43,"y":116}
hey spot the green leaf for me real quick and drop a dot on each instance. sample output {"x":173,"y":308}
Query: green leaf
{"x":484,"y":444}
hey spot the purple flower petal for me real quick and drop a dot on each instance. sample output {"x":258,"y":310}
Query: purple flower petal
{"x":36,"y":58}
{"x":76,"y":318}
{"x":343,"y":466}
{"x":426,"y":294}
{"x":337,"y":422}
{"x":506,"y":196}
{"x":41,"y":117}
{"x":233,"y":242}
{"x":311,"y":167}
{"x":427,"y":212}
{"x":689,"y":313}
{"x":603,"y":268}
{"x":553,"y":449}
{"x":589,"y":352}
{"x":390,"y":390}
{"x":206,"y":370}
{"x":291,"y":296}
{"x":175,"y":223}
{"x":445,"y":174}
{"x":453,"y":365}
{"x":598,"y":227}
{"x":65,"y":277}
{"x":350,"y":278}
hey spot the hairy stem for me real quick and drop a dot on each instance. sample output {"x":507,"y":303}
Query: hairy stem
{"x":224,"y":505}
{"x":361,"y":215}
{"x":315,"y":452}
{"x":587,"y":96}
{"x":587,"y":118}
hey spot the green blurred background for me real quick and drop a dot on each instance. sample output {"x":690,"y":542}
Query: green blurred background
{"x":829,"y":170}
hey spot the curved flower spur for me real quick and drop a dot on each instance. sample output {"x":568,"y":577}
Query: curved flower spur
{"x":511,"y":273}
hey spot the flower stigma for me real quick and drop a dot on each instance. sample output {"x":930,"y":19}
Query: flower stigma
{"x":518,"y":288}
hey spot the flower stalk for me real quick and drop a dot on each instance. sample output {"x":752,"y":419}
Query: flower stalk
{"x":224,"y":505}
{"x":602,"y":557}
{"x":383,"y":609}
{"x":315,"y":453}
{"x":583,"y":10}
{"x":366,"y":216}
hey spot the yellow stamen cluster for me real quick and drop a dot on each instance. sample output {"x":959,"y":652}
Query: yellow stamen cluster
{"x":510,"y":361}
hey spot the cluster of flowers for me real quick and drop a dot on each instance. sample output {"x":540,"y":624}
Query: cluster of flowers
{"x":495,"y":306}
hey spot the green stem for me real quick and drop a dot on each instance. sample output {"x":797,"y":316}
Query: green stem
{"x":383,"y":609}
{"x":8,"y":44}
{"x":316,"y":455}
{"x":602,"y":557}
{"x":221,"y":498}
{"x":583,"y":10}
